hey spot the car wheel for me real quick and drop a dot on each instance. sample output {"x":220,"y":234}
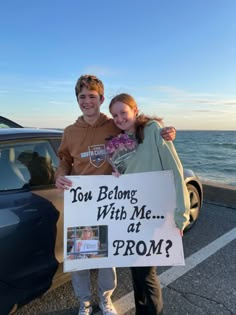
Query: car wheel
{"x":195,"y":205}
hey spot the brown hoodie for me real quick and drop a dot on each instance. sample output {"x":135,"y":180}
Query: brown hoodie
{"x":82,"y":150}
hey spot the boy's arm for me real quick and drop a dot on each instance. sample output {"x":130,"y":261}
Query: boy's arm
{"x":65,"y":165}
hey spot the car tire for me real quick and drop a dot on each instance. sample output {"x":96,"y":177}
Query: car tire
{"x":195,"y":205}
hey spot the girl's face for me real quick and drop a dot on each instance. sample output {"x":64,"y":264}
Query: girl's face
{"x":86,"y":234}
{"x":124,"y":116}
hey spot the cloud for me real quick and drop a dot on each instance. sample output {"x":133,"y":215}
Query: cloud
{"x":214,"y":101}
{"x":59,"y":103}
{"x":184,"y":96}
{"x":4,"y":91}
{"x":170,"y":90}
{"x":201,"y":110}
{"x":230,"y":103}
{"x":57,"y":84}
{"x":61,"y":82}
{"x":208,"y":111}
{"x":100,"y":71}
{"x":31,"y":90}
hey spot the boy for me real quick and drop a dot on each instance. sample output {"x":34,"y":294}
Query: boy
{"x":82,"y":152}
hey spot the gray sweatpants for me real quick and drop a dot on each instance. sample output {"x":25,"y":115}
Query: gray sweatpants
{"x":106,"y":284}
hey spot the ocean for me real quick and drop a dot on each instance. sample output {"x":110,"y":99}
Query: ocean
{"x":210,"y":154}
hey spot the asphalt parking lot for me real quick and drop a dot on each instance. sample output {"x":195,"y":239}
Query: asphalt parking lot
{"x":205,"y":285}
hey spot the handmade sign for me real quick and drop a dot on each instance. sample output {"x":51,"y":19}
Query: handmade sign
{"x":126,"y":221}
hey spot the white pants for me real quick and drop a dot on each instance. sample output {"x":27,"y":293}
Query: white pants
{"x":106,"y":284}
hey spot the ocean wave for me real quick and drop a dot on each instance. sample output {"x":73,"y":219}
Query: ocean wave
{"x":209,"y":154}
{"x":231,"y":146}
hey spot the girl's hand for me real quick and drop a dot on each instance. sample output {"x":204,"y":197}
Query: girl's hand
{"x":116,"y":174}
{"x":181,"y":232}
{"x":79,"y":244}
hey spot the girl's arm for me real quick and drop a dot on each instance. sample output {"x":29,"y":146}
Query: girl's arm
{"x":170,"y":161}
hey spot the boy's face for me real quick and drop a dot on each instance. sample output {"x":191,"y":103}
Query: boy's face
{"x":89,"y":103}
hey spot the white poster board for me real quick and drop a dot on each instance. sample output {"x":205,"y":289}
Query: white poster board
{"x":129,"y":221}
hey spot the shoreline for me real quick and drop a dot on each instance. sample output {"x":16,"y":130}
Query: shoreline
{"x":221,"y":194}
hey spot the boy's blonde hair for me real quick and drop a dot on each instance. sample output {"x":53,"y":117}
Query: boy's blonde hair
{"x":91,"y":82}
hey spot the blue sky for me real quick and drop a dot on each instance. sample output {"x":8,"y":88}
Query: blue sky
{"x":176,"y":57}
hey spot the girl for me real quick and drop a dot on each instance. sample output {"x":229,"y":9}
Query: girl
{"x":153,"y":153}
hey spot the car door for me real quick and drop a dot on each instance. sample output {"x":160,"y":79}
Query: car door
{"x":30,"y":222}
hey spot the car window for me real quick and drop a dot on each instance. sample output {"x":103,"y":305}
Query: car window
{"x":55,"y":143}
{"x":27,"y":164}
{"x":7,"y":123}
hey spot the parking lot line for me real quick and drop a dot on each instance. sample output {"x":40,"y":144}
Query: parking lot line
{"x":126,"y":303}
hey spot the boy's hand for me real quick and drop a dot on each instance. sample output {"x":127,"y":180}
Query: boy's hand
{"x":63,"y":183}
{"x":168,"y":133}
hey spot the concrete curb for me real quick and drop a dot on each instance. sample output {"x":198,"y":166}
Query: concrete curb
{"x":224,"y":195}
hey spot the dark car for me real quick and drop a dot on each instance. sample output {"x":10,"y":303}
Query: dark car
{"x":7,"y":123}
{"x":31,"y":227}
{"x":31,"y":249}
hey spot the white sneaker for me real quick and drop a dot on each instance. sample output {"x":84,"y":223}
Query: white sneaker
{"x":85,"y":310}
{"x":107,"y":307}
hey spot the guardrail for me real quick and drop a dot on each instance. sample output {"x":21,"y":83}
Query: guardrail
{"x":224,"y":195}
